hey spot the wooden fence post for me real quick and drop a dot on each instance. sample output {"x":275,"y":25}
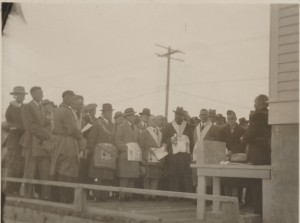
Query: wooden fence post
{"x":230,"y":212}
{"x":80,"y":199}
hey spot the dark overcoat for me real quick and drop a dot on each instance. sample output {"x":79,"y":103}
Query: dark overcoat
{"x":258,"y":136}
{"x":101,"y":132}
{"x":233,"y":140}
{"x":36,"y":126}
{"x":125,"y":134}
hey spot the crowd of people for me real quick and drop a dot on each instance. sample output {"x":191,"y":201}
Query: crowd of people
{"x":68,"y":143}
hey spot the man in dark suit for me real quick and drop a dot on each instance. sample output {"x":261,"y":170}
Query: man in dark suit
{"x":37,"y":158}
{"x":14,"y":160}
{"x":127,"y":171}
{"x":231,"y":134}
{"x":258,"y":139}
{"x":175,"y":135}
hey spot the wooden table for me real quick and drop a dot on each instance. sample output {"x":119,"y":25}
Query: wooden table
{"x":217,"y":171}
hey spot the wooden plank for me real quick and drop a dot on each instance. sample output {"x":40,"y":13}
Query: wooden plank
{"x":289,"y":20}
{"x":288,"y":76}
{"x":238,"y":173}
{"x":288,"y":86}
{"x":131,"y":215}
{"x":233,"y":166}
{"x":274,"y":41}
{"x":288,"y":96}
{"x":80,"y":200}
{"x":266,"y":189}
{"x":230,"y":213}
{"x":216,"y":191}
{"x":288,"y":57}
{"x":284,"y":112}
{"x":289,"y":30}
{"x":288,"y":67}
{"x":289,"y":11}
{"x":286,"y":6}
{"x":289,"y":48}
{"x":294,"y":38}
{"x":201,"y":189}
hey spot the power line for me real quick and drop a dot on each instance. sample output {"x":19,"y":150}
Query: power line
{"x":170,"y":52}
{"x":211,"y":99}
{"x":221,"y":81}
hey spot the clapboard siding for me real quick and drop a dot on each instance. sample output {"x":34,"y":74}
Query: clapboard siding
{"x":289,"y":29}
{"x":288,"y":67}
{"x":286,"y":21}
{"x":289,"y":96}
{"x":284,"y":63}
{"x":289,"y":39}
{"x":288,"y":57}
{"x":288,"y":48}
{"x":288,"y":76}
{"x":287,"y":86}
{"x":288,"y":11}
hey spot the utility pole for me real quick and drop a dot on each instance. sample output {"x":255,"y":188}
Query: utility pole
{"x":170,"y":51}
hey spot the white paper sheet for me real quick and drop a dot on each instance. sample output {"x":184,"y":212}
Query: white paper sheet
{"x":134,"y":152}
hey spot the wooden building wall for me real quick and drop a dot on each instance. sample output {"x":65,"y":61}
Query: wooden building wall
{"x":284,"y":64}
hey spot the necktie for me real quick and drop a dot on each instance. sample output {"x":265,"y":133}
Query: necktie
{"x":156,"y":131}
{"x":202,"y":127}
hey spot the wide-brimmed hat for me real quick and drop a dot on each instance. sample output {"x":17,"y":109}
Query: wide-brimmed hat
{"x":179,"y":111}
{"x":18,"y":90}
{"x":212,"y":112}
{"x":146,"y":111}
{"x":107,"y":107}
{"x":243,"y":121}
{"x":47,"y":101}
{"x":118,"y":114}
{"x":90,"y":107}
{"x":128,"y":111}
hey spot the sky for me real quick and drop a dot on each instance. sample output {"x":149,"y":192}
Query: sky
{"x":107,"y":53}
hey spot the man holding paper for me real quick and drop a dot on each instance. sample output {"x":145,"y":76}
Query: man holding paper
{"x":150,"y":143}
{"x":178,"y":138}
{"x":129,"y":152}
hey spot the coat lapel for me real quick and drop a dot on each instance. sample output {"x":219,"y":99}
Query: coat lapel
{"x":37,"y":112}
{"x":156,"y":138}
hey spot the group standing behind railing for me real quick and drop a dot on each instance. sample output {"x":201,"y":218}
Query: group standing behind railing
{"x":69,"y":144}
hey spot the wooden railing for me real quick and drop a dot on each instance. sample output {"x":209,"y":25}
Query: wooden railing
{"x":80,"y":204}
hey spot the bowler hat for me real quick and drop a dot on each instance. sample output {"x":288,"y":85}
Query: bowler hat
{"x":212,"y":112}
{"x":128,"y":111}
{"x":243,"y":121}
{"x":90,"y":107}
{"x":146,"y":111}
{"x":118,"y":114}
{"x":18,"y":90}
{"x":107,"y":107}
{"x":179,"y":111}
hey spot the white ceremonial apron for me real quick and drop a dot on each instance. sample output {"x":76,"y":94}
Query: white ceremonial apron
{"x":199,"y":145}
{"x":182,"y":140}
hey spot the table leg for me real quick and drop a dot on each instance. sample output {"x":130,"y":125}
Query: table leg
{"x":201,"y":189}
{"x":216,"y":191}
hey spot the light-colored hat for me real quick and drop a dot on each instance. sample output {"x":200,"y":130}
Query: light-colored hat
{"x":18,"y":90}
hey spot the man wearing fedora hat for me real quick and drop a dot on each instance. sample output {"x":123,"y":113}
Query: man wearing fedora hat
{"x":179,"y":170}
{"x":243,"y":123}
{"x":103,"y":152}
{"x":127,"y":171}
{"x":144,"y":115}
{"x":37,"y":158}
{"x":14,"y":159}
{"x":118,"y":117}
{"x":212,"y":115}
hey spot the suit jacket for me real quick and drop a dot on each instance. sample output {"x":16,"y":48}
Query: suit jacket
{"x":36,"y":125}
{"x":65,"y":126}
{"x":14,"y":119}
{"x":232,"y":140}
{"x":146,"y":141}
{"x":212,"y":134}
{"x":125,"y":134}
{"x":258,"y":136}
